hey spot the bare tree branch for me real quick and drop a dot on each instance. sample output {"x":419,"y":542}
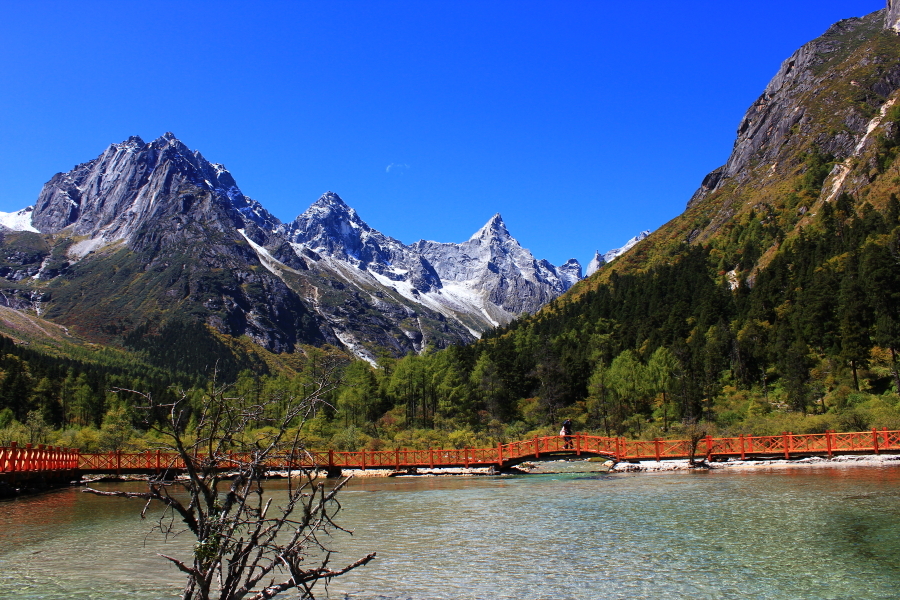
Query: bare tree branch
{"x":242,"y":535}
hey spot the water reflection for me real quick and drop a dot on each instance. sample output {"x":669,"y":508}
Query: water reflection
{"x":780,"y":533}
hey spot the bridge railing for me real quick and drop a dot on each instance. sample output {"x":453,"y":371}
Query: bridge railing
{"x":37,"y":459}
{"x":784,"y":445}
{"x":45,"y":459}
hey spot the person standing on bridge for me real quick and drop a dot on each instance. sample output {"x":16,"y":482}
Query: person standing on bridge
{"x":566,"y":432}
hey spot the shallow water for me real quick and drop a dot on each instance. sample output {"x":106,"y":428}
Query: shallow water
{"x":784,"y":533}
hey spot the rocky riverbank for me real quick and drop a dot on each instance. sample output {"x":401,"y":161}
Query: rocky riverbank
{"x":874,"y":460}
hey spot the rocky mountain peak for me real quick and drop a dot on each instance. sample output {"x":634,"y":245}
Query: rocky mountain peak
{"x":617,"y":252}
{"x":327,"y":275}
{"x":610,"y":255}
{"x":595,"y":264}
{"x":132,"y":142}
{"x":799,"y":103}
{"x":570,"y":272}
{"x":167,"y":138}
{"x":495,"y":228}
{"x":112,"y":196}
{"x":330,"y":204}
{"x":332,"y":228}
{"x":330,"y":199}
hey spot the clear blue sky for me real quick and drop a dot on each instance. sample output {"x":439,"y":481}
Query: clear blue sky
{"x":582,"y":123}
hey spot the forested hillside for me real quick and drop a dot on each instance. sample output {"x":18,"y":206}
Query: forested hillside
{"x":811,"y":345}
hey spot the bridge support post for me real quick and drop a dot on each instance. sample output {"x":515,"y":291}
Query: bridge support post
{"x":743,"y":455}
{"x":13,"y":460}
{"x":578,"y":445}
{"x":709,"y":446}
{"x":875,"y":440}
{"x":431,"y":457}
{"x":828,"y":442}
{"x":499,"y":456}
{"x":537,"y":452}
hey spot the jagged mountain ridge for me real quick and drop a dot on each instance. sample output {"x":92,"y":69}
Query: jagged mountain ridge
{"x":489,"y":277}
{"x":154,"y":229}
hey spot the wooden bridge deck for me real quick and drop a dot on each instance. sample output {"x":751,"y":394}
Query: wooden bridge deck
{"x":28,"y":461}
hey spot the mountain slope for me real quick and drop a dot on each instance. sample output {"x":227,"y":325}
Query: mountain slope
{"x":812,"y":134}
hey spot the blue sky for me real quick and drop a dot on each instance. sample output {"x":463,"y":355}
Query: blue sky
{"x":582,"y":123}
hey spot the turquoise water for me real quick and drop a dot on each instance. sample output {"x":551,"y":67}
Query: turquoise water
{"x":780,"y":533}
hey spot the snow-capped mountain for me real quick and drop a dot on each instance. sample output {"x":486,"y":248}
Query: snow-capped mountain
{"x":610,"y":255}
{"x":150,"y":232}
{"x":485,"y":281}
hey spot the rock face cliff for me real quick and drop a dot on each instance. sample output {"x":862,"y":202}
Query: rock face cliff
{"x":792,"y":110}
{"x":148,"y":233}
{"x":820,"y":108}
{"x":892,"y":16}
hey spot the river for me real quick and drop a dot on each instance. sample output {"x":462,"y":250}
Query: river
{"x":824,"y":532}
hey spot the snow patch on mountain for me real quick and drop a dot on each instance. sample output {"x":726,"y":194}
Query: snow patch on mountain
{"x":353,"y":345}
{"x":275,"y":266}
{"x":19,"y":220}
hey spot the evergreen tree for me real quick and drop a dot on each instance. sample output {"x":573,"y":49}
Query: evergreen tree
{"x":854,"y":317}
{"x":661,"y":368}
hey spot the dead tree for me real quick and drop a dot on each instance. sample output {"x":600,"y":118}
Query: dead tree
{"x":248,"y":544}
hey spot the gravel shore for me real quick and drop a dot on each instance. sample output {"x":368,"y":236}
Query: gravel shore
{"x":871,"y":460}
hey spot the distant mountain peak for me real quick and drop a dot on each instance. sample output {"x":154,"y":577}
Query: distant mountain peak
{"x":327,"y":274}
{"x":595,"y":264}
{"x":610,"y":255}
{"x":134,"y":183}
{"x":332,"y":208}
{"x":329,"y":198}
{"x":617,"y":252}
{"x":134,"y":141}
{"x":494,"y":228}
{"x":570,"y":272}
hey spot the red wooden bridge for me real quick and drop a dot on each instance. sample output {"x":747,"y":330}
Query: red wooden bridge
{"x":58,"y":462}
